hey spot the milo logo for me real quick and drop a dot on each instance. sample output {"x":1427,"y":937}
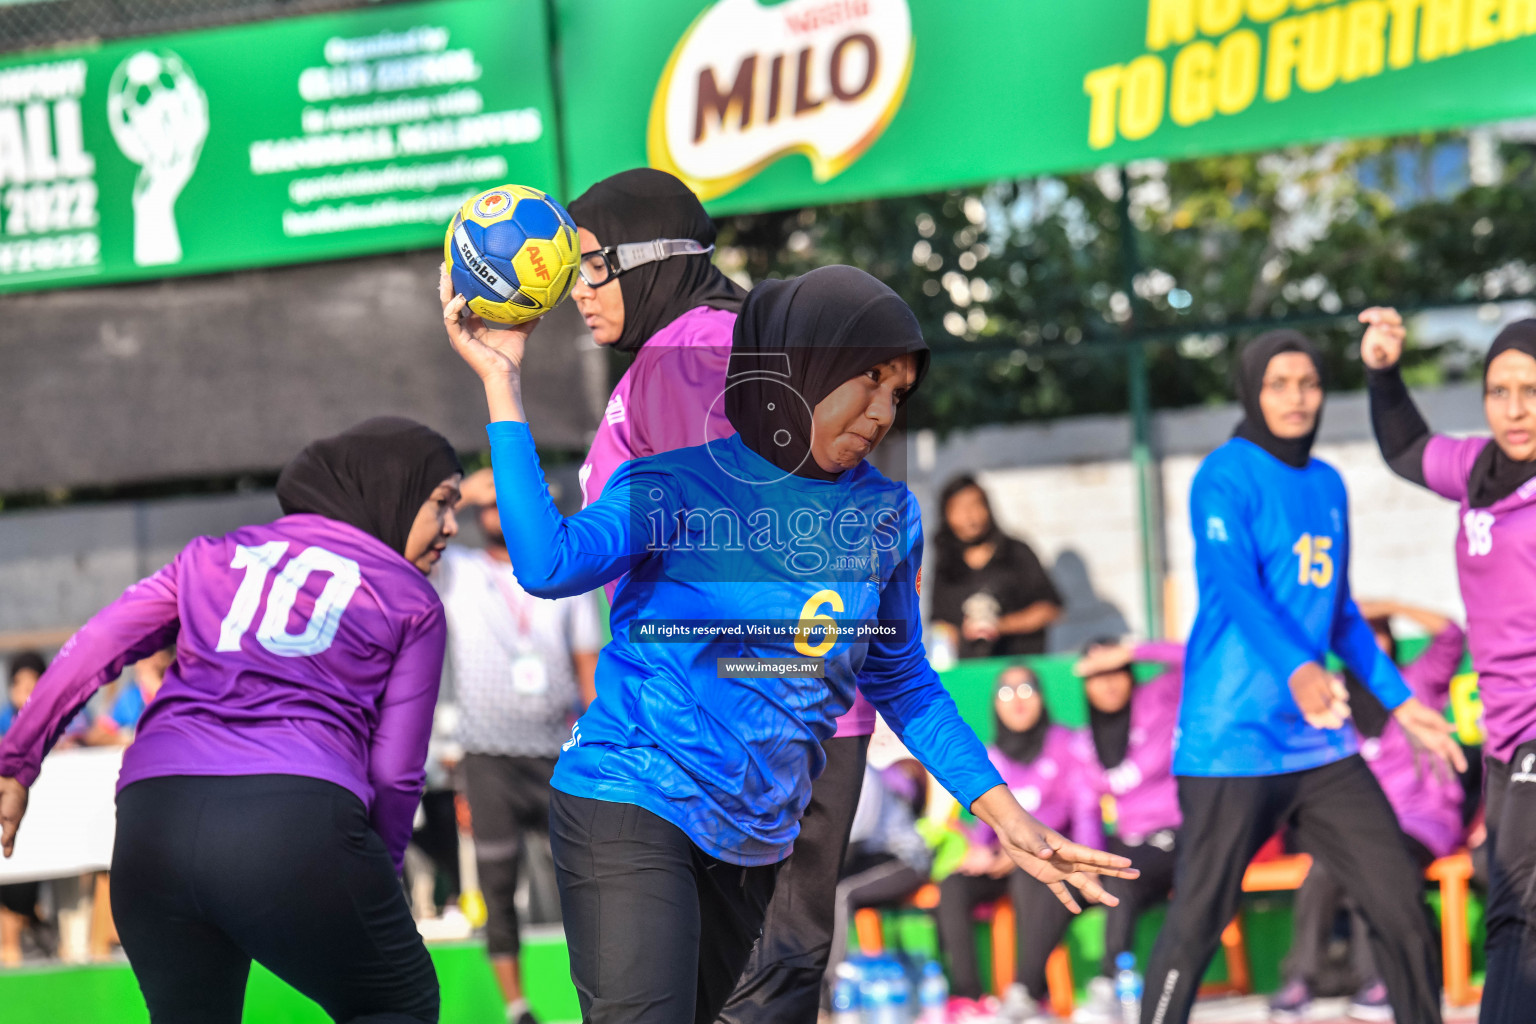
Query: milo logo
{"x":748,"y":84}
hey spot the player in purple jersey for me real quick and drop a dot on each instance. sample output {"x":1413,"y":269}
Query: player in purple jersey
{"x":676,"y":315}
{"x":1494,"y":482}
{"x":264,"y":808}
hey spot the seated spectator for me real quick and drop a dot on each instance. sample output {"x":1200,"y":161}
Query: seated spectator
{"x":1427,"y":803}
{"x":134,"y":698}
{"x":26,"y":669}
{"x":888,"y":859}
{"x":1129,"y":750}
{"x":989,"y":587}
{"x":1041,"y":763}
{"x":19,"y":912}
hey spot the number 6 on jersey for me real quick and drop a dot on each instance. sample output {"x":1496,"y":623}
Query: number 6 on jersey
{"x":318,"y":634}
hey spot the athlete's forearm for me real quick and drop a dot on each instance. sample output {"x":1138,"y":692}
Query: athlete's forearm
{"x":1401,"y":432}
{"x":140,"y":622}
{"x":504,"y":399}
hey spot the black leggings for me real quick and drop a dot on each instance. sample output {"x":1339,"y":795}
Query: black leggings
{"x":781,"y":983}
{"x":658,"y":929}
{"x":210,"y":873}
{"x":1510,"y":990}
{"x":1338,"y":814}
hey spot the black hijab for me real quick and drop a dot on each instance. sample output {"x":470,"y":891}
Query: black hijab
{"x":1251,"y":366}
{"x":806,"y":337}
{"x":375,"y":476}
{"x":1111,"y":730}
{"x":641,"y":205}
{"x":1495,"y":476}
{"x":1021,"y":747}
{"x":949,"y":549}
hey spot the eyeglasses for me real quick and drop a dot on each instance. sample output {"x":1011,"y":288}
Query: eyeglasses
{"x":1023,"y":691}
{"x":600,"y":266}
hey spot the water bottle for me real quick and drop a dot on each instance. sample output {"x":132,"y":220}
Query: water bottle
{"x":874,"y":993}
{"x":932,"y":994}
{"x":901,"y":995}
{"x":845,"y":994}
{"x":1128,"y":988}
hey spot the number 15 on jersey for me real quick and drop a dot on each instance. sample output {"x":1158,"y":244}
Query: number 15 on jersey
{"x":1314,"y":563}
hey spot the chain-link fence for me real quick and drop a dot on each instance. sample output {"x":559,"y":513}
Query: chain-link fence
{"x":30,"y":24}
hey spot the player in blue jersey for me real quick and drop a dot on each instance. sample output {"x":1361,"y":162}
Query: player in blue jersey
{"x":681,"y":788}
{"x":1260,"y":742}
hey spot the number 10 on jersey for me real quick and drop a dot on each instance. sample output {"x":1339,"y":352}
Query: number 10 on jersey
{"x":258,"y":563}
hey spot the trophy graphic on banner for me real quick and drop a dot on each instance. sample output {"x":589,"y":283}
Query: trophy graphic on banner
{"x":159,"y":118}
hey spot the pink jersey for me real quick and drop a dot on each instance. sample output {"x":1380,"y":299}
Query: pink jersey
{"x":303,"y":647}
{"x":1427,"y":800}
{"x":1054,"y":787}
{"x":1496,"y":560}
{"x":670,"y":397}
{"x":1145,"y":794}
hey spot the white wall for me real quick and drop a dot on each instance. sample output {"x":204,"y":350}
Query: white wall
{"x":1068,"y":489}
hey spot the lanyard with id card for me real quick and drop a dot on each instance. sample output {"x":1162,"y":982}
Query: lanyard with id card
{"x":529,"y":678}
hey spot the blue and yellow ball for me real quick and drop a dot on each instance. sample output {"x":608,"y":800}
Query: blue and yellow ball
{"x":512,"y":252}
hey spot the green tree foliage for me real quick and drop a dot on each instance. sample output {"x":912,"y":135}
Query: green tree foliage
{"x":1029,"y":293}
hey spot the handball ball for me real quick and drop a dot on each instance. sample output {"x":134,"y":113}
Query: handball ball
{"x":512,"y":252}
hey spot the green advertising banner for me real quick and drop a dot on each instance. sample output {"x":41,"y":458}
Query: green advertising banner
{"x":761,"y":104}
{"x":278,"y":142}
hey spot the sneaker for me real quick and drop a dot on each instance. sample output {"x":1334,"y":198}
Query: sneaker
{"x":1019,"y":1007}
{"x":966,"y":1011}
{"x":1370,"y":1003}
{"x":1290,"y":1004}
{"x":1101,"y":1006}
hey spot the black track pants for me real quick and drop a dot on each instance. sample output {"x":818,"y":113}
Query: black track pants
{"x":1338,"y":814}
{"x":782,"y":980}
{"x":658,"y":930}
{"x":1509,"y":993}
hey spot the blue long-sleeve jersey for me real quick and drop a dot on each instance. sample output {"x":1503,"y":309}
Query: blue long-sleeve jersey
{"x":718,"y":542}
{"x":1272,"y":563}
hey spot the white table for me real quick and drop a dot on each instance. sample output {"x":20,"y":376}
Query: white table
{"x":71,"y":817}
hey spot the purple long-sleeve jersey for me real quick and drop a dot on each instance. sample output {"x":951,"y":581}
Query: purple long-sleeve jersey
{"x":1427,"y":801}
{"x":303,"y":647}
{"x":1053,"y":787}
{"x":1496,"y":560}
{"x":1142,"y":785}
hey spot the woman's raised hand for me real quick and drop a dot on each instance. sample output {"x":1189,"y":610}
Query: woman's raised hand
{"x":490,"y":353}
{"x":495,"y":355}
{"x":1382,"y":345}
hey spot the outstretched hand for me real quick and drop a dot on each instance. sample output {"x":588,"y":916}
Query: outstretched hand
{"x":1047,"y":855}
{"x":13,"y":805}
{"x":1430,"y":734}
{"x":1382,"y":345}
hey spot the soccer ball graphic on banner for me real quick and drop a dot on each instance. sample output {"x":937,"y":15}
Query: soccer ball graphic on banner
{"x":512,"y":252}
{"x":158,"y":115}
